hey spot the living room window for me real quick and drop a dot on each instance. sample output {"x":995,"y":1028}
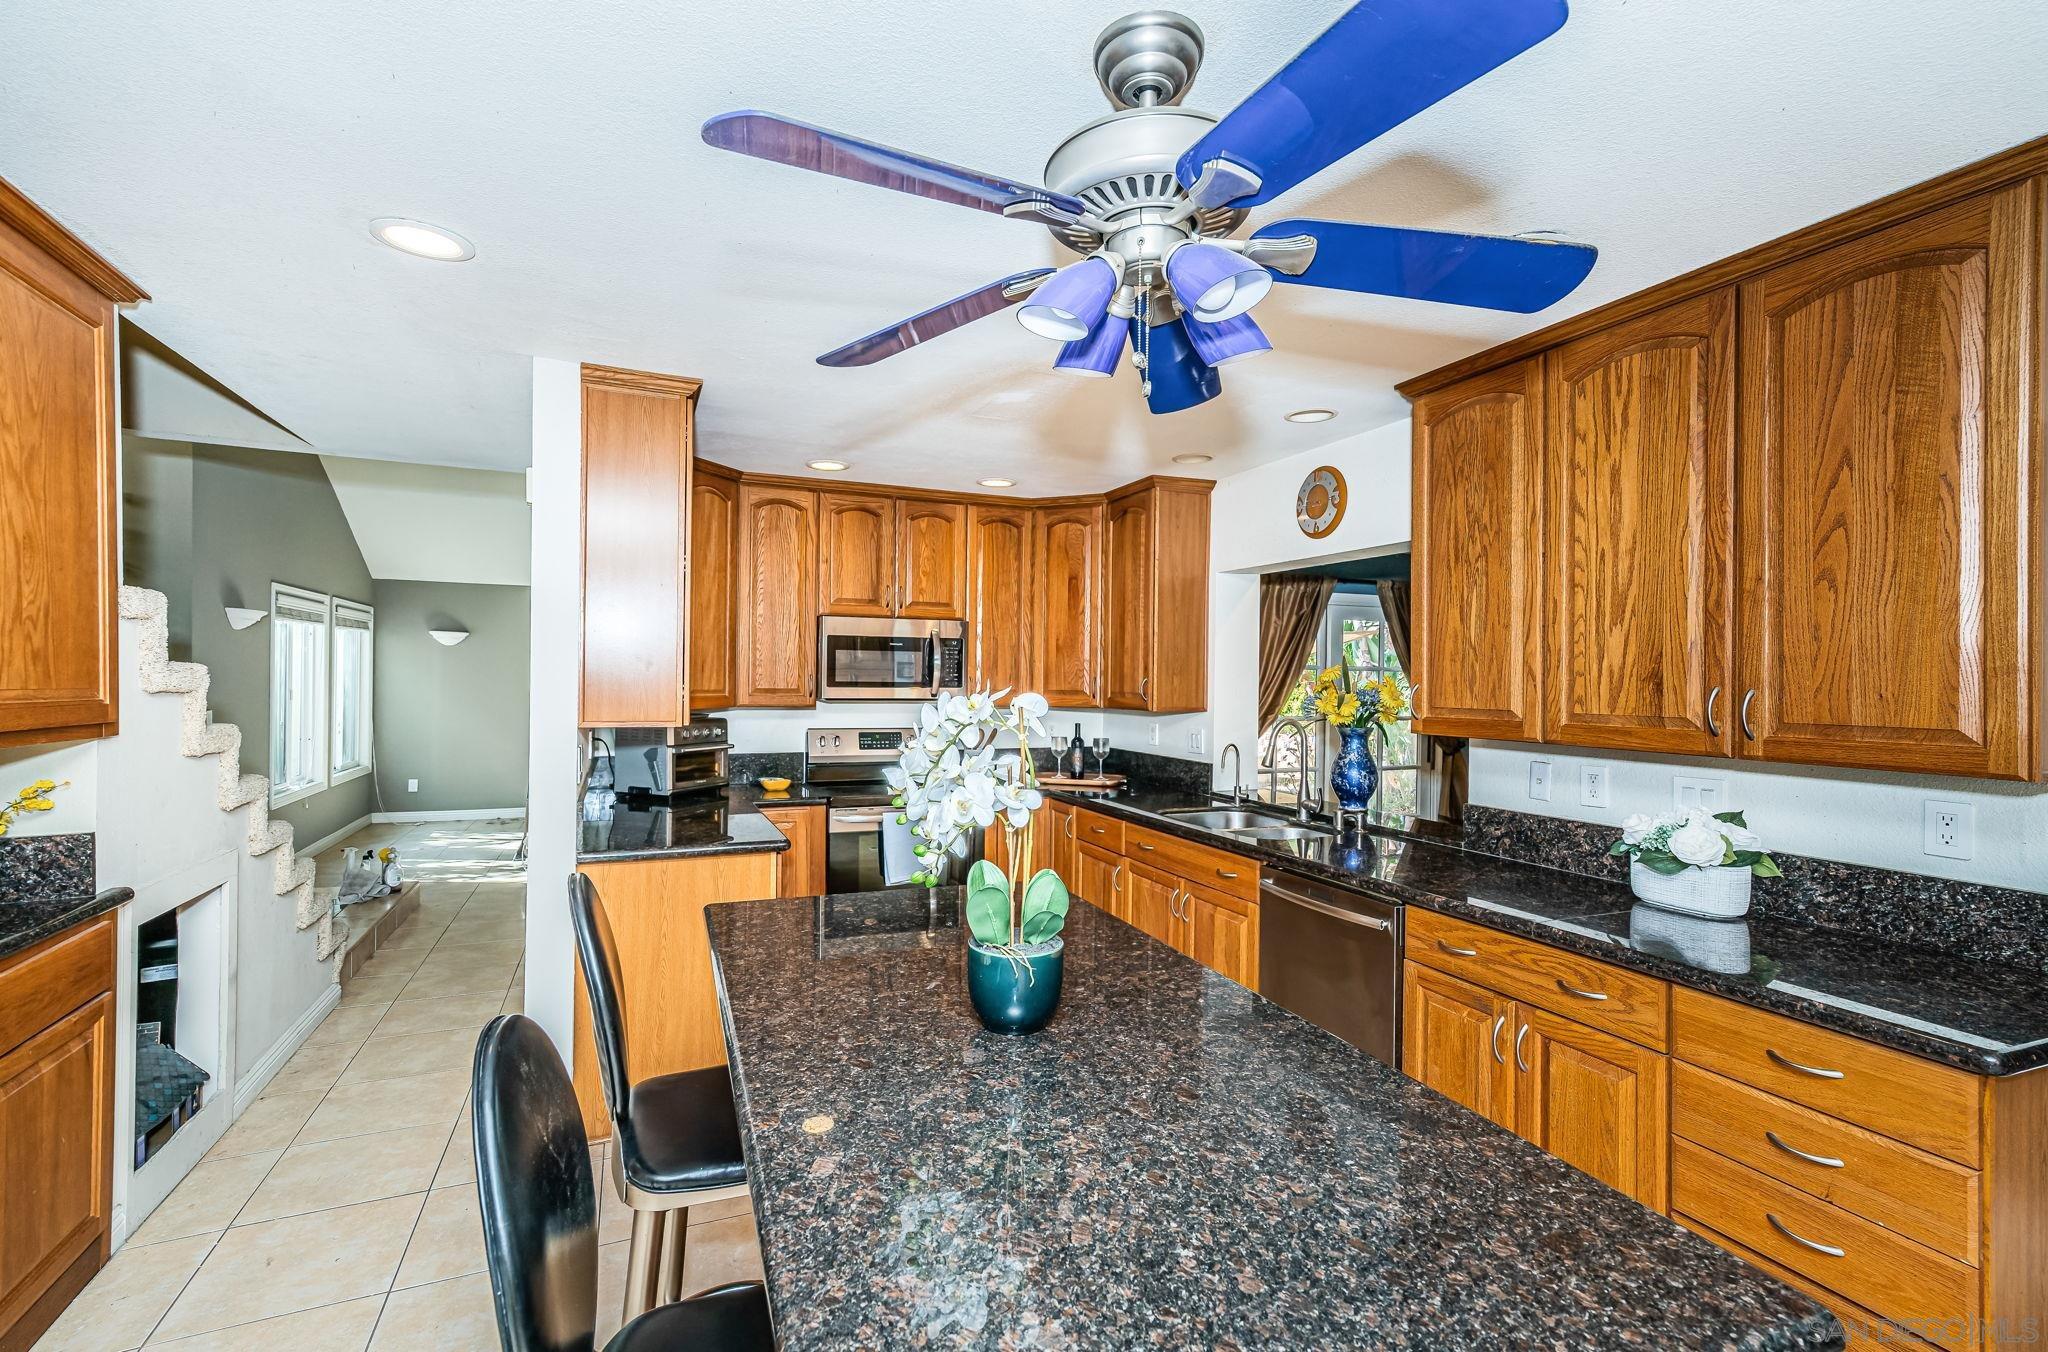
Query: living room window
{"x":354,"y":632}
{"x":298,"y":693}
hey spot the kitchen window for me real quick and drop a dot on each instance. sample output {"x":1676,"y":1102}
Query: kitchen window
{"x":354,"y":630}
{"x":298,"y":693}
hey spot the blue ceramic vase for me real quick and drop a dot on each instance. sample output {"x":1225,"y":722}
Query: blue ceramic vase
{"x":1354,"y":775}
{"x":1015,"y":994}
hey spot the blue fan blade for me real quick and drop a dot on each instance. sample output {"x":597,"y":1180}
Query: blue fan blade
{"x":1380,"y":64}
{"x":768,"y":137}
{"x":1180,"y":379}
{"x":1490,"y":271}
{"x":940,"y":319}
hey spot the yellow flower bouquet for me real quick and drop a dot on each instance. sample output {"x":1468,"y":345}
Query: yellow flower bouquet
{"x":34,"y":798}
{"x":1334,"y":697}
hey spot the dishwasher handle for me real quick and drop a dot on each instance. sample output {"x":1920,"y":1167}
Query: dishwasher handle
{"x":1334,"y":912}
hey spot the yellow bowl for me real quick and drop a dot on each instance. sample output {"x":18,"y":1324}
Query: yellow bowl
{"x":774,"y":783}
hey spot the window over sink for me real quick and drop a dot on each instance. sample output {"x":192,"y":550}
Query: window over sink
{"x":1354,"y":630}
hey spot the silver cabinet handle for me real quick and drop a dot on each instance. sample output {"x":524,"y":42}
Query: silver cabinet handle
{"x":1713,"y":697}
{"x":1145,"y":688}
{"x":1146,"y":848}
{"x":1070,"y":826}
{"x":1498,"y":1023}
{"x":1100,"y":830}
{"x":1457,"y":952}
{"x":1787,"y":1231}
{"x":1574,"y":990}
{"x":1521,"y":1033}
{"x":1116,"y":877}
{"x":1790,"y":1064}
{"x":1825,"y":1161}
{"x":1748,"y":697}
{"x":1226,"y":873}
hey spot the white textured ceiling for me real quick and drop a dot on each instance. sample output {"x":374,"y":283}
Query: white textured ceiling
{"x":229,"y":157}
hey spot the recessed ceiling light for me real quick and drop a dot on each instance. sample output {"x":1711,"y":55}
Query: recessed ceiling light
{"x":422,"y":240}
{"x":1192,"y":459}
{"x":997,"y":483}
{"x":1309,"y":415}
{"x":830,"y":466}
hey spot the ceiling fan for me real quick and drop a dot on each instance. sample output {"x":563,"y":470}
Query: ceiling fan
{"x":1153,"y":192}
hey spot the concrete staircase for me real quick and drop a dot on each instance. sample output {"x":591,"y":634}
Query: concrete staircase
{"x":291,"y":876}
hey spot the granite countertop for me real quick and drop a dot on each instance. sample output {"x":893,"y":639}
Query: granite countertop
{"x":631,"y":829}
{"x":27,"y":921}
{"x":1173,"y":1162}
{"x":1981,"y":1016}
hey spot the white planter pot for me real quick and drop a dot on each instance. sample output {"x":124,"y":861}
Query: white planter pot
{"x":1722,"y":893}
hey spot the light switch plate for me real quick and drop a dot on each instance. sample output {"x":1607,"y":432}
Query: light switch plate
{"x":1539,"y":780}
{"x":1951,"y":829}
{"x":412,"y":786}
{"x":1196,"y":741}
{"x":1593,"y":785}
{"x":1708,"y":793}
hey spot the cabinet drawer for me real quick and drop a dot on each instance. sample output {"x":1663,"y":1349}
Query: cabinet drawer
{"x":1919,"y":1195}
{"x":42,"y":985}
{"x":1626,"y":1004}
{"x":1104,"y":833}
{"x":1862,"y":1330}
{"x":1935,"y":1107}
{"x":1887,"y":1274}
{"x":1217,"y":870}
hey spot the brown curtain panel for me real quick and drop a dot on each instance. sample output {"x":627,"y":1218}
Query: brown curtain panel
{"x":1444,"y":756}
{"x":1290,"y":614}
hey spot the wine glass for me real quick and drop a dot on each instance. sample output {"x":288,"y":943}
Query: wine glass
{"x":1060,"y":743}
{"x":1101,"y":745}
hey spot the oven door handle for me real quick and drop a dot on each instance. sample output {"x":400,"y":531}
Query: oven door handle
{"x":844,"y":822}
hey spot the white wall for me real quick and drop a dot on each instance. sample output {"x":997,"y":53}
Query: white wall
{"x":554,"y":752}
{"x":1856,"y":816}
{"x":77,"y":762}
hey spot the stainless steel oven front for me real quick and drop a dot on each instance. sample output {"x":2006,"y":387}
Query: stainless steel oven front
{"x":865,"y":658}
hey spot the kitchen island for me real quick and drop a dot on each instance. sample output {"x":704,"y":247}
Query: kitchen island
{"x":1173,"y":1162}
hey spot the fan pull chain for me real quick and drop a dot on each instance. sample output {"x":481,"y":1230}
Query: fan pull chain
{"x":1142,"y":358}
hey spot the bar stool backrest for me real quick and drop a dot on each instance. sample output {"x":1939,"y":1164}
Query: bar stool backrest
{"x":598,"y":954}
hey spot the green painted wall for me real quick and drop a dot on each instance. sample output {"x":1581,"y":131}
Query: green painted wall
{"x":452,"y":718}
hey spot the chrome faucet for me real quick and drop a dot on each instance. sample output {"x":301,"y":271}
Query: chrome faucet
{"x":1236,"y":759}
{"x":1301,"y":813}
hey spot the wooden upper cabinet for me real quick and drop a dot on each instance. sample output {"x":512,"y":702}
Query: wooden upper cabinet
{"x":999,"y":595}
{"x":1890,"y":483}
{"x":714,"y":551}
{"x":59,"y":513}
{"x":1640,"y":459}
{"x":856,"y":554}
{"x":1070,"y":577}
{"x":931,"y":559}
{"x":637,"y":432}
{"x":777,"y":585}
{"x":1156,"y":624}
{"x":1477,"y":555}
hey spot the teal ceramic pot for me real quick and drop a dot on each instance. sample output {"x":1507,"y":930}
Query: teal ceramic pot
{"x":1015,"y":995}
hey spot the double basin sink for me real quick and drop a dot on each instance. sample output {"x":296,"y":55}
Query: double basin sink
{"x":1247,"y":825}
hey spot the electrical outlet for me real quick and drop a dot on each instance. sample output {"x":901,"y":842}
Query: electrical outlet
{"x":1196,"y":741}
{"x":1704,"y":792}
{"x":412,"y":786}
{"x":1539,"y":781}
{"x":1593,"y":786}
{"x":1951,"y":830}
{"x":1154,"y":730}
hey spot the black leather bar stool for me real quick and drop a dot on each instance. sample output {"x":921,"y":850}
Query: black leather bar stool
{"x":675,"y":1138}
{"x":539,"y":1207}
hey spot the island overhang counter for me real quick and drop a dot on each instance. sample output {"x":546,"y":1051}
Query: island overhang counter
{"x":1174,"y":1161}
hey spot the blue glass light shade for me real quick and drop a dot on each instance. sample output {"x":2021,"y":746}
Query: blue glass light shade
{"x":1072,"y":301}
{"x":1097,"y":354}
{"x":1179,"y":377}
{"x":1228,"y":340}
{"x":1214,"y":284}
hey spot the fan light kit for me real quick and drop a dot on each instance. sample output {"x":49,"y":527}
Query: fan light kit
{"x":1152,"y":195}
{"x":997,"y":483}
{"x":1311,"y":415}
{"x":829,"y":466}
{"x":422,"y":240}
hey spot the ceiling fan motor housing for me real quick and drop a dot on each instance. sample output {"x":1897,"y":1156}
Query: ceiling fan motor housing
{"x":1121,"y":165}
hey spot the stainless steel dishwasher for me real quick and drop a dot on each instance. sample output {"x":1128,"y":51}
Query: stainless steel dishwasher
{"x":1333,"y":956}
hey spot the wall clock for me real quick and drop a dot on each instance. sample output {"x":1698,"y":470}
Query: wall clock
{"x":1319,"y":506}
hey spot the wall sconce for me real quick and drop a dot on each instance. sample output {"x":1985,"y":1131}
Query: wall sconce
{"x":241,"y":617}
{"x":448,"y":638}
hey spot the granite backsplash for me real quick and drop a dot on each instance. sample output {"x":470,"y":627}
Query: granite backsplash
{"x":46,"y":866}
{"x":1969,"y":920}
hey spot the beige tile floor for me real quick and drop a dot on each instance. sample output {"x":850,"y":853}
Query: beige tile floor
{"x":339,"y":1213}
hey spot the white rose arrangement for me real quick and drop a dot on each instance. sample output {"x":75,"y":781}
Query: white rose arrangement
{"x":1672,"y":842}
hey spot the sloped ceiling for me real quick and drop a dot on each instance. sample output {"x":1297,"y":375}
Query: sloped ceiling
{"x":429,"y":523}
{"x":230,"y":156}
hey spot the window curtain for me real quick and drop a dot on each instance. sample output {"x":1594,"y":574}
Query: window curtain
{"x":1290,"y":617}
{"x":1443,"y":756}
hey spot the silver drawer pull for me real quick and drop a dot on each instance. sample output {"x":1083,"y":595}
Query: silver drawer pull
{"x":1826,"y":1161}
{"x":1790,"y":1064}
{"x":1574,"y":990}
{"x":1457,"y":952}
{"x":1497,"y":1024}
{"x":1787,"y":1231}
{"x":1521,"y":1033}
{"x":1225,"y":873}
{"x":1143,"y":846}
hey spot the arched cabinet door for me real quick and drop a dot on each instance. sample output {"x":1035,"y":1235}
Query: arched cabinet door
{"x":1888,"y":562}
{"x":1477,"y":556}
{"x":778,"y":577}
{"x":856,"y":554}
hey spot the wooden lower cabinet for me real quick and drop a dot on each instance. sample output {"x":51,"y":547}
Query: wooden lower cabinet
{"x":799,"y":870}
{"x":1153,"y":896}
{"x":56,"y":1125}
{"x":1058,"y":819}
{"x":1223,"y":933}
{"x":656,"y":910}
{"x":1451,"y":1041}
{"x":1098,"y":877}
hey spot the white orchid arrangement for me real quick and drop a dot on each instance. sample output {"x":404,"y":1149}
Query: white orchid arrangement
{"x":1672,"y":842}
{"x":952,"y":780}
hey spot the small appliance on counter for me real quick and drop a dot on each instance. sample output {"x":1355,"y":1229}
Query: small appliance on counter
{"x":851,"y":762}
{"x":671,"y":762}
{"x":863,"y":658}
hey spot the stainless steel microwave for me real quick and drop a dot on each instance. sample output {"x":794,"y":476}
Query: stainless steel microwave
{"x":863,"y":658}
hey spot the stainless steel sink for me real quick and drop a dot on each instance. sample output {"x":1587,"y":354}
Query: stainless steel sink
{"x":1224,"y":819}
{"x":1281,"y":832}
